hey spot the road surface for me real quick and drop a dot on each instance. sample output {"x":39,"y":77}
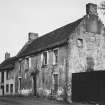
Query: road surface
{"x":30,"y":100}
{"x":13,"y":100}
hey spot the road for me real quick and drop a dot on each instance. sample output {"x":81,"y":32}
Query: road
{"x":10,"y":100}
{"x":16,"y":100}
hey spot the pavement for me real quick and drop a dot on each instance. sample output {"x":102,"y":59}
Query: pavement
{"x":31,"y":100}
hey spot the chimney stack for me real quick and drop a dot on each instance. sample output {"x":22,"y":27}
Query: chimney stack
{"x":91,"y":9}
{"x":32,"y":36}
{"x":7,"y":55}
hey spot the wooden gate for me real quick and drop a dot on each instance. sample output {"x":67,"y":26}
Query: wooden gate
{"x":88,"y":86}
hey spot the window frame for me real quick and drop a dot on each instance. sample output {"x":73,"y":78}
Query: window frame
{"x":7,"y":88}
{"x":2,"y":77}
{"x":80,"y":42}
{"x":45,"y":61}
{"x":20,"y":65}
{"x":11,"y":88}
{"x":55,"y":59}
{"x":29,"y":62}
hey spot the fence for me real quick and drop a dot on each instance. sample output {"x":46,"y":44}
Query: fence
{"x":88,"y":86}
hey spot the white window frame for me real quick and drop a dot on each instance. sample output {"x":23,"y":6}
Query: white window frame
{"x":47,"y":57}
{"x":20,"y":65}
{"x":25,"y":75}
{"x":30,"y":62}
{"x":26,"y":63}
{"x":43,"y":58}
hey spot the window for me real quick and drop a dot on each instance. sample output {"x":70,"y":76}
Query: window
{"x":30,"y":62}
{"x":19,"y":66}
{"x":55,"y":56}
{"x":45,"y":58}
{"x":7,"y":88}
{"x":11,"y":88}
{"x":2,"y":77}
{"x":80,"y":43}
{"x":25,"y":75}
{"x":26,"y":64}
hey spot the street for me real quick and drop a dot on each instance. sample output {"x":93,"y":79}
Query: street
{"x":10,"y":100}
{"x":16,"y":100}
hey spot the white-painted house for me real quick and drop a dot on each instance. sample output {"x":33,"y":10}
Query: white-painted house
{"x":7,"y":77}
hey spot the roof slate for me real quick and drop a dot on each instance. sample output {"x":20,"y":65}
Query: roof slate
{"x":8,"y":64}
{"x":49,"y":40}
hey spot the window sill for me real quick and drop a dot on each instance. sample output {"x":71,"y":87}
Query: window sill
{"x":55,"y":64}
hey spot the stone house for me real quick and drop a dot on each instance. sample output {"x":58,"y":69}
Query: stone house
{"x":7,"y":77}
{"x":45,"y":64}
{"x":52,"y":58}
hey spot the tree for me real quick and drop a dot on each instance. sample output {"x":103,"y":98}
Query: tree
{"x":102,"y":7}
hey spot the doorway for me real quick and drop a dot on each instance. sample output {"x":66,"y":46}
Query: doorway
{"x":55,"y":83}
{"x":34,"y":85}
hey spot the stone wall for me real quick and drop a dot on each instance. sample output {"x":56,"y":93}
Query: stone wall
{"x":87,"y":48}
{"x":45,"y":75}
{"x":26,"y":79}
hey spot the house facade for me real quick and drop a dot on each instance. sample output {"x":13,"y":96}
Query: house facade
{"x":45,"y":64}
{"x":7,"y":75}
{"x":45,"y":71}
{"x":52,"y":58}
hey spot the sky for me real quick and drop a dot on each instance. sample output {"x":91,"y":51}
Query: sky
{"x":19,"y":17}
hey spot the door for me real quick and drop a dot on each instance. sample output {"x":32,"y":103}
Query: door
{"x":11,"y":88}
{"x":34,"y":85}
{"x":55,"y":83}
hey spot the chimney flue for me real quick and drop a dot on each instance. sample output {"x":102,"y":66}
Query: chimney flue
{"x":32,"y":36}
{"x":7,"y":55}
{"x":91,"y":9}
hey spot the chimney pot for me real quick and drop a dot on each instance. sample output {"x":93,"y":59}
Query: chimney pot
{"x":91,"y":9}
{"x":32,"y":36}
{"x":7,"y":55}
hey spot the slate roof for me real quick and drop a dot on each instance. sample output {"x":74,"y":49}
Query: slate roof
{"x":49,"y":40}
{"x":8,"y":64}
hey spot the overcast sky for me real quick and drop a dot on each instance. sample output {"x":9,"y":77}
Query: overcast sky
{"x":19,"y":17}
